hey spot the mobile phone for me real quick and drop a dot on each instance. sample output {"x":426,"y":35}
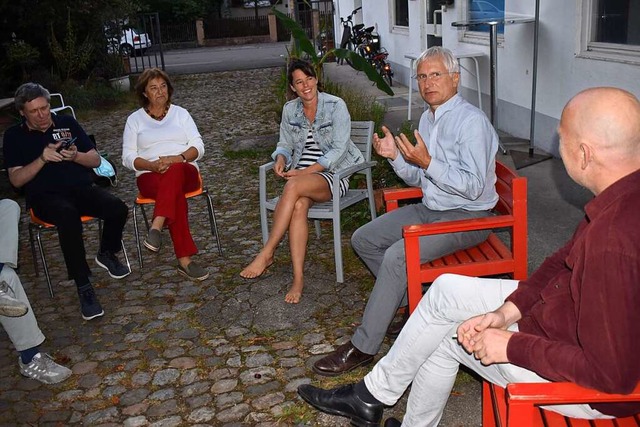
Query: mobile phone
{"x":66,"y":144}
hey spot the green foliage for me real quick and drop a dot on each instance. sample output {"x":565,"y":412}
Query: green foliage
{"x":22,"y":55}
{"x":93,"y":95}
{"x":302,"y":47}
{"x":70,"y":57}
{"x":110,"y":65}
{"x":360,"y":106}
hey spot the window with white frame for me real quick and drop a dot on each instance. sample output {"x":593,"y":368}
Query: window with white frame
{"x":401,"y":13}
{"x":611,"y":30}
{"x":481,"y":10}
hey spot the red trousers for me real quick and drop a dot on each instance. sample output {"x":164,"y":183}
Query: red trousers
{"x":168,"y":190}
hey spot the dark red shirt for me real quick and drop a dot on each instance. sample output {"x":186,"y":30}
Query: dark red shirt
{"x":581,"y":308}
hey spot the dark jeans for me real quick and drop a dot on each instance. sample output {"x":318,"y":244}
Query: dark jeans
{"x":64,"y":209}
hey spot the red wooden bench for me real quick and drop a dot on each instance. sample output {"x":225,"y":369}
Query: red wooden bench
{"x":519,"y":405}
{"x":488,"y":258}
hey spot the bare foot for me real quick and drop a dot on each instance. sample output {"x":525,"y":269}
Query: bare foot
{"x":257,"y":266}
{"x":294,"y":294}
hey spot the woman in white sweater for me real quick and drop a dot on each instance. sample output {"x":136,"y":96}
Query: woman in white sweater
{"x":161,"y":143}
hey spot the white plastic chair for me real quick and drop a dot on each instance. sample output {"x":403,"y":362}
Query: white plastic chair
{"x":58,"y":106}
{"x":362,"y":136}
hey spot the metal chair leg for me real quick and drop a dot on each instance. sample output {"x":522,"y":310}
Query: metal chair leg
{"x":212,"y":220}
{"x":126,"y":257}
{"x":44,"y":262}
{"x":136,"y":233}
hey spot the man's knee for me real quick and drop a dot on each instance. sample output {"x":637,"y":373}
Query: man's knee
{"x":10,"y":207}
{"x":449,"y":288}
{"x":364,"y":237}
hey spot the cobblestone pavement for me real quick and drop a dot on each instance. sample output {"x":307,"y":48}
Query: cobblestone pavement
{"x":170,"y":352}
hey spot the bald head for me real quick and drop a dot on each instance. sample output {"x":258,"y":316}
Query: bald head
{"x":600,"y":133}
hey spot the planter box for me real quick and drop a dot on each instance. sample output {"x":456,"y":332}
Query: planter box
{"x":121,"y":83}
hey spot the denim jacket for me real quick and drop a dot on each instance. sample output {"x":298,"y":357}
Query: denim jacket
{"x":331,"y":131}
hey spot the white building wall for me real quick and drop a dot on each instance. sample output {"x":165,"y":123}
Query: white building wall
{"x":561,"y":72}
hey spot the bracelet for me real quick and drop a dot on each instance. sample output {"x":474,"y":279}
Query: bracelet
{"x":43,"y":159}
{"x":184,"y":159}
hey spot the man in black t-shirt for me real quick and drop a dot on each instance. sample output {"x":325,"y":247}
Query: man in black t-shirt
{"x":51,"y":157}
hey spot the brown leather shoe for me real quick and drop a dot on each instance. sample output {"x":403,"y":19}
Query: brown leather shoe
{"x":395,"y":327}
{"x":344,"y":359}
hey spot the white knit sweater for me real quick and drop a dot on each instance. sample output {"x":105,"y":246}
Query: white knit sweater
{"x":149,"y":138}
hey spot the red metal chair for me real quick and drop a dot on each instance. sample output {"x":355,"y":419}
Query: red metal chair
{"x":489,"y":258}
{"x":200,"y":191}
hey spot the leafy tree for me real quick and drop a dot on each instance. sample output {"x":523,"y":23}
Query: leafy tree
{"x":70,"y":56}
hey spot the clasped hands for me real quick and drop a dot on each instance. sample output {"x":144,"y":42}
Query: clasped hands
{"x":388,"y":146}
{"x":162,"y":164}
{"x":51,"y":153}
{"x":486,"y":337}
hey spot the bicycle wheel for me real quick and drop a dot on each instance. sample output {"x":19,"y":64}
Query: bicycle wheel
{"x":387,"y":75}
{"x":385,"y":72}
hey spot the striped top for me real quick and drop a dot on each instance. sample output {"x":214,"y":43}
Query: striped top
{"x":310,"y":156}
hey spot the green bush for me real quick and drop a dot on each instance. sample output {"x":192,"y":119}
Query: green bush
{"x":93,"y":95}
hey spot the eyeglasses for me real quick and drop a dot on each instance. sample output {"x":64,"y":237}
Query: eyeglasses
{"x":435,"y":76}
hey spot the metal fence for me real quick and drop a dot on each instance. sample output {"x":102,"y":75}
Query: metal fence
{"x":218,"y":28}
{"x":178,"y":33}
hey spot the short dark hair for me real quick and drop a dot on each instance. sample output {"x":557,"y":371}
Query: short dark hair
{"x":28,"y":92}
{"x":143,"y":81}
{"x":307,"y":68}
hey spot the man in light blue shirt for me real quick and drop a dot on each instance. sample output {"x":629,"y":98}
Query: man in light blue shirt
{"x":453,"y":162}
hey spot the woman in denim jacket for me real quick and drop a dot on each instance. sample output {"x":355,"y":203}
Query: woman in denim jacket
{"x":314,"y":144}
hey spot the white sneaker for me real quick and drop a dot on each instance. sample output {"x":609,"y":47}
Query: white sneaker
{"x":9,"y":305}
{"x":44,"y":369}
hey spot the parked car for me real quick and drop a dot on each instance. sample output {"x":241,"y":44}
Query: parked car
{"x":250,"y":4}
{"x":131,"y":42}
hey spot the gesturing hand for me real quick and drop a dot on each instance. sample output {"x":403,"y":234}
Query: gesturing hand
{"x":416,"y":154}
{"x":385,"y":146}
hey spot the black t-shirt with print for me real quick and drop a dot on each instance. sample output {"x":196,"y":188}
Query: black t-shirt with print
{"x":21,"y":146}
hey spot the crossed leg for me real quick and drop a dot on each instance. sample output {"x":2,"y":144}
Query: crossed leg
{"x":299,"y":194}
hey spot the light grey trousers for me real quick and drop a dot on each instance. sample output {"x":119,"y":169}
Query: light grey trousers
{"x":426,"y":355}
{"x":23,"y":331}
{"x":381,"y":246}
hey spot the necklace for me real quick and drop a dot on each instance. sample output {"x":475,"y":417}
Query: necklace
{"x":161,"y":116}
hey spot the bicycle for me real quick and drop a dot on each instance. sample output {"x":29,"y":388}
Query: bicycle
{"x":350,"y":33}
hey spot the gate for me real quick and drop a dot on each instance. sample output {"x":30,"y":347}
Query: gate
{"x":316,"y":18}
{"x":152,"y":55}
{"x":138,"y":40}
